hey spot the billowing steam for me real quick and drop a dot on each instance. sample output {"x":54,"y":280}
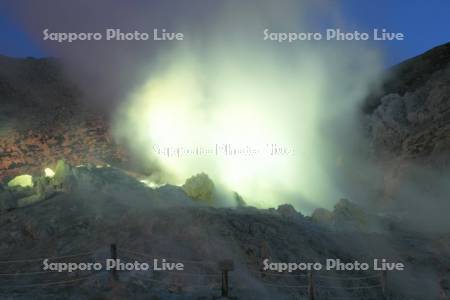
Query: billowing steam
{"x":220,"y":101}
{"x":224,"y":85}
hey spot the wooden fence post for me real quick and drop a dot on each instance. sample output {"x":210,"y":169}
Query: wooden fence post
{"x":114,"y":274}
{"x":443,"y":283}
{"x":384,"y":287}
{"x":311,"y":288}
{"x":225,"y":266}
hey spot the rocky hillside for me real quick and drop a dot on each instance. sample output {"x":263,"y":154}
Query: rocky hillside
{"x":81,"y":211}
{"x":409,"y":117}
{"x":76,"y":214}
{"x":42,"y":120}
{"x":410,"y":114}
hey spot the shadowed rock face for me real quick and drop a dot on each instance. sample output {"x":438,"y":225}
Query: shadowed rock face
{"x":410,"y":75}
{"x":105,"y":205}
{"x":42,"y":120}
{"x":408,"y":117}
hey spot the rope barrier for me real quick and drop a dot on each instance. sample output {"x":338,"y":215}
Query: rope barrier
{"x":278,"y":275}
{"x":285,"y":286}
{"x":350,"y":288}
{"x":26,"y":273}
{"x":255,"y":270}
{"x":166,"y":283}
{"x":42,"y":258}
{"x":348,"y":297}
{"x":50,"y":283}
{"x":141,"y":275}
{"x":348,"y":278}
{"x":198,"y":274}
{"x":168,"y":258}
{"x":186,"y":273}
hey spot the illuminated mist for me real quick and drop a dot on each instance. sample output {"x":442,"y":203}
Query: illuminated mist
{"x":225,"y":84}
{"x":230,"y":87}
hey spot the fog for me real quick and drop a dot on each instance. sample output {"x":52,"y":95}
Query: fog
{"x":225,"y":86}
{"x":230,"y":87}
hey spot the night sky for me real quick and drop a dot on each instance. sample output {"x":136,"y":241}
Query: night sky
{"x":426,"y":24}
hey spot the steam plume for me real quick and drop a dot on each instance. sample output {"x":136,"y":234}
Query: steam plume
{"x":229,"y":86}
{"x":225,"y":85}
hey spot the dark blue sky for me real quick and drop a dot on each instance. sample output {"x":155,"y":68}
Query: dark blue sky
{"x":14,"y":40}
{"x":425,"y":23}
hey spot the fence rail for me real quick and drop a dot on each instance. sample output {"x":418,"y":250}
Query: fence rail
{"x":312,"y":285}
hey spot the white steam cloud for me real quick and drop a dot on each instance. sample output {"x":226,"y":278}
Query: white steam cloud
{"x":227,"y":86}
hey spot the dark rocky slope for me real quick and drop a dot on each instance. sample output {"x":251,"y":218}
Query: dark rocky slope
{"x":94,"y":207}
{"x":409,"y":120}
{"x":42,"y":120}
{"x":410,"y":114}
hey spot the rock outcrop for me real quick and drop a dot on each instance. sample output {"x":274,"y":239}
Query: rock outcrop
{"x":346,"y":216}
{"x":43,"y":120}
{"x":200,"y":188}
{"x":408,"y":117}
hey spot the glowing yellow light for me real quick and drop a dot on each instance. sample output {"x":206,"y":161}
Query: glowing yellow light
{"x":242,"y":97}
{"x":150,"y":184}
{"x":49,"y":173}
{"x":21,"y":180}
